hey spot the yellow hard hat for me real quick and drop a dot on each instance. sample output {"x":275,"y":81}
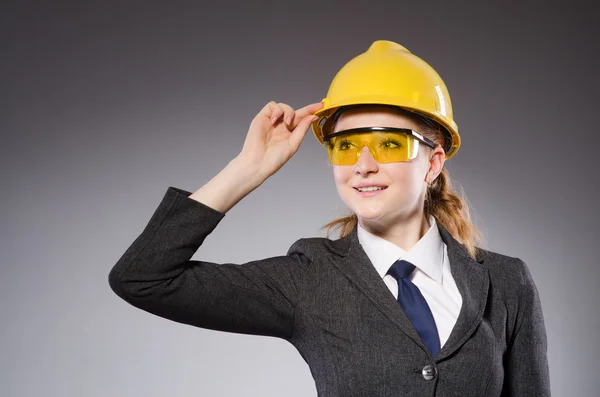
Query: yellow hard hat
{"x":389,"y":74}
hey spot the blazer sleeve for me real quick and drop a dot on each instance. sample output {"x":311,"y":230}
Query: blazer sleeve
{"x":526,"y":363}
{"x":156,"y":274}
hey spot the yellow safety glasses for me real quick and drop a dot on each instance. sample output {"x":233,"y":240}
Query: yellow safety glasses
{"x":386,"y":144}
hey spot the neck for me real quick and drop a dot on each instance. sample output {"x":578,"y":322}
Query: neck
{"x":404,"y":232}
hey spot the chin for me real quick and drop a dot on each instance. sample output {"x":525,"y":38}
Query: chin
{"x":367,"y":213}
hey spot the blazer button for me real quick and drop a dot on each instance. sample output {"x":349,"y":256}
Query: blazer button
{"x":429,"y":372}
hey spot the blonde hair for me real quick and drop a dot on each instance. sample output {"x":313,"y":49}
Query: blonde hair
{"x":448,"y":208}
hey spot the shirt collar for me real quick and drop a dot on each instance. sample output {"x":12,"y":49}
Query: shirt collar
{"x":427,"y":254}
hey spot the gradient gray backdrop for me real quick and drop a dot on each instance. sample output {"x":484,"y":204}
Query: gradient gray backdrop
{"x":106,"y":104}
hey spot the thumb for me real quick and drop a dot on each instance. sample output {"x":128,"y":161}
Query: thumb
{"x":300,"y":131}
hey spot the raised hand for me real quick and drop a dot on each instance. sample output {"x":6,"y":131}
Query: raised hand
{"x":275,"y":135}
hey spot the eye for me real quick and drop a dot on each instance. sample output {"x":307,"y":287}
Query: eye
{"x":390,"y":144}
{"x":343,"y":144}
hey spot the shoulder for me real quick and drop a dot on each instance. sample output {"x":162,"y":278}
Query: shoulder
{"x":507,"y":271}
{"x":310,"y":247}
{"x":513,"y":282}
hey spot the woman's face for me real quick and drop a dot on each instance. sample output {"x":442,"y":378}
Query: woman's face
{"x":404,"y":183}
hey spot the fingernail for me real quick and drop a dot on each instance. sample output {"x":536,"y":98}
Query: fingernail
{"x":273,"y":120}
{"x":288,"y":120}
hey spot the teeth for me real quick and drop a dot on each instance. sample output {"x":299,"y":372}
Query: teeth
{"x":369,"y":189}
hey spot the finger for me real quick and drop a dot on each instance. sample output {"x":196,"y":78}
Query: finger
{"x":300,"y":131}
{"x":288,"y":113}
{"x":267,"y":110}
{"x":272,"y":111}
{"x":276,"y":114}
{"x":309,"y":109}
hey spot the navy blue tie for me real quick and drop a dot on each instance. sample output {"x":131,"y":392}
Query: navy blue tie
{"x":415,"y":306}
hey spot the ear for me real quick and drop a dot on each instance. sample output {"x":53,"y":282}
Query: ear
{"x":437,"y":157}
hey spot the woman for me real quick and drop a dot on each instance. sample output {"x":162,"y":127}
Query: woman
{"x":403,"y":303}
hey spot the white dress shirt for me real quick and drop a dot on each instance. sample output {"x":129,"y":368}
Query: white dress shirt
{"x":432,"y":274}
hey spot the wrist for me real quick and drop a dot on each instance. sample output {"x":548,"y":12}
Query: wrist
{"x":248,"y":170}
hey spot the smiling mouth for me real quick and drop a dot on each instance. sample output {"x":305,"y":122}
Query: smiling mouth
{"x":379,"y":188}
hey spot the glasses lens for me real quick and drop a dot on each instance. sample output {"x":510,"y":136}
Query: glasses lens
{"x":386,"y":147}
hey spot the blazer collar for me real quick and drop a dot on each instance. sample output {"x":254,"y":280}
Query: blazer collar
{"x":472,"y":281}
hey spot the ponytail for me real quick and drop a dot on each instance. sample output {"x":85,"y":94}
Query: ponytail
{"x":452,"y":212}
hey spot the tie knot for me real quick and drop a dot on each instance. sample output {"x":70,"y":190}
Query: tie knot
{"x":401,"y":269}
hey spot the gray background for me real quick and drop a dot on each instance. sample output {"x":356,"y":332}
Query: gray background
{"x":106,"y":104}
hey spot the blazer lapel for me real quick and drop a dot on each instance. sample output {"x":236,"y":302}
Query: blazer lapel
{"x":358,"y":268}
{"x":471,"y":280}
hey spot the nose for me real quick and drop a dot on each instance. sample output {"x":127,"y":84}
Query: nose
{"x":366,"y":162}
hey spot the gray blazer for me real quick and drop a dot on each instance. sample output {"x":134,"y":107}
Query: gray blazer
{"x":326,"y":298}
